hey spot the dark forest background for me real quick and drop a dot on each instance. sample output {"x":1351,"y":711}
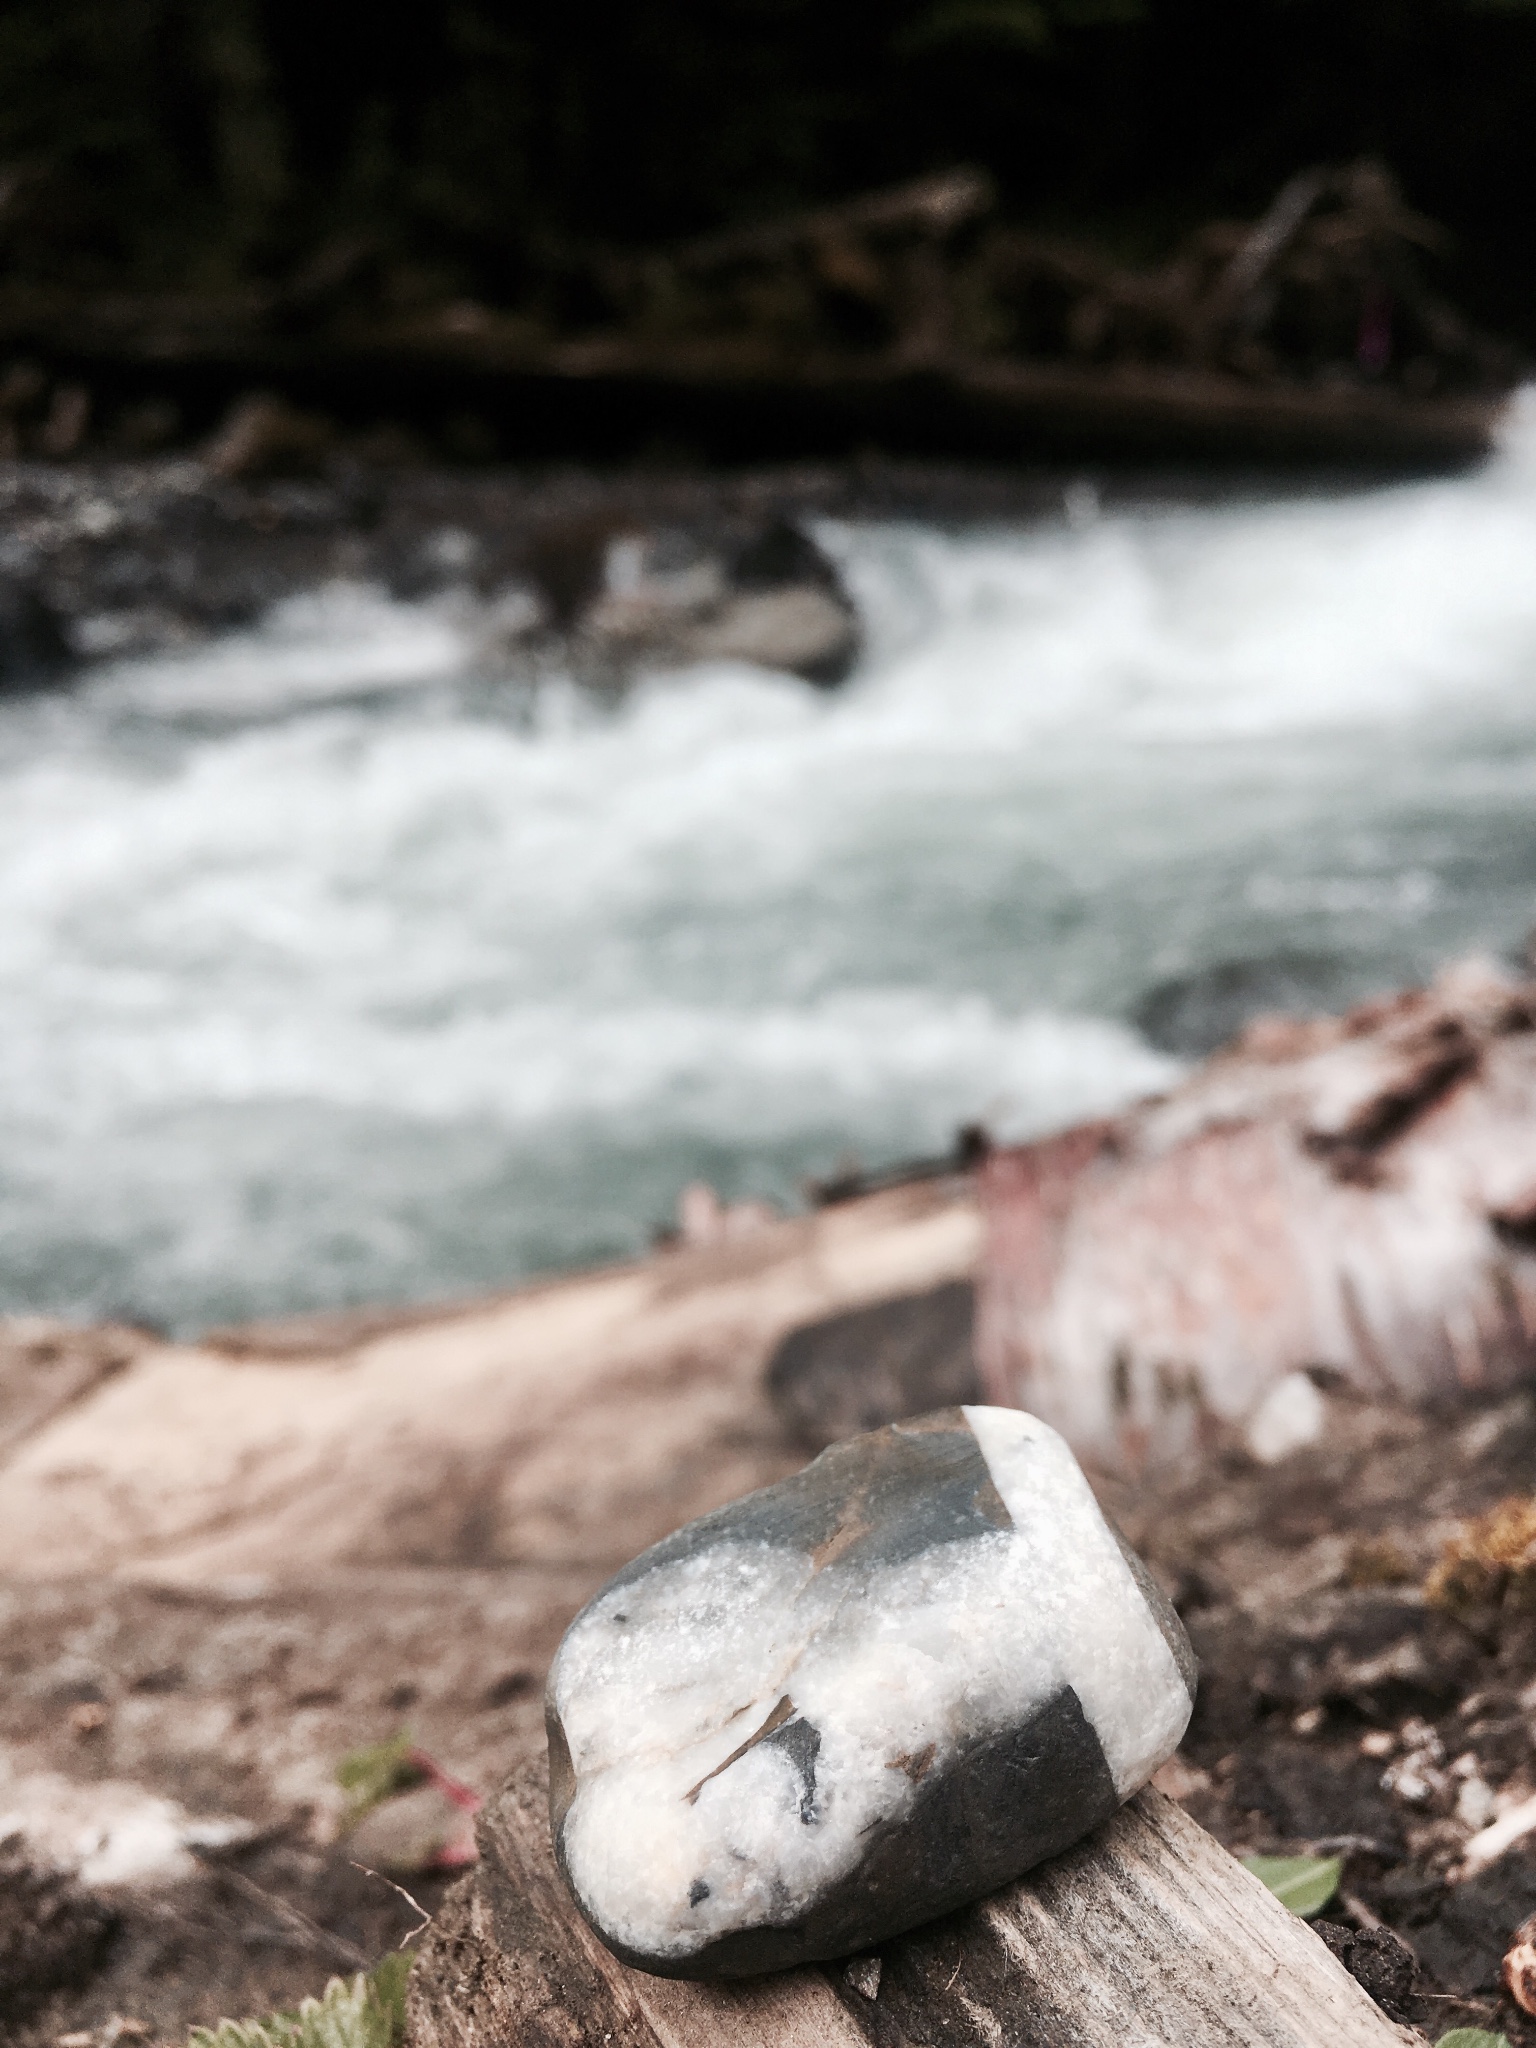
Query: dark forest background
{"x":471,"y":147}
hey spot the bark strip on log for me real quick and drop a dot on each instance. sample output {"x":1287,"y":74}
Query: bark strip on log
{"x":1326,"y":1194}
{"x":1147,"y":1933}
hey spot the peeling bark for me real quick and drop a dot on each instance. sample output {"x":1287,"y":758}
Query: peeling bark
{"x":1349,"y":1197}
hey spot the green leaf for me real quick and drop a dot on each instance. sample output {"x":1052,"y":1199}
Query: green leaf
{"x":365,"y":2012}
{"x":1304,"y":1883}
{"x":373,"y":1773}
{"x":1472,"y":2037}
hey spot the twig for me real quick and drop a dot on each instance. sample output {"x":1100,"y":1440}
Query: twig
{"x":1490,"y":1843}
{"x":1362,"y":1915}
{"x":319,"y":1937}
{"x":1348,"y":1845}
{"x":415,"y":1904}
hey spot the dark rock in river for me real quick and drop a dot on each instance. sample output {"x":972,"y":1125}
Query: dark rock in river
{"x":598,"y":574}
{"x":869,"y":1366}
{"x":1195,"y":1013}
{"x":772,"y":599}
{"x":857,"y":1700}
{"x":33,"y":649}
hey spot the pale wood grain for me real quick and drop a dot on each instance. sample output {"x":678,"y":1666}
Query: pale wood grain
{"x":571,"y":1424}
{"x":1146,"y":1935}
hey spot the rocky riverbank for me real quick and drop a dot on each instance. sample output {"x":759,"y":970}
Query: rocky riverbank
{"x":595,"y":571}
{"x":224,"y":1567}
{"x":599,"y":574}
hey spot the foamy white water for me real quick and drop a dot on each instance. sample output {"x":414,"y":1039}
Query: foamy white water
{"x":337,"y":965}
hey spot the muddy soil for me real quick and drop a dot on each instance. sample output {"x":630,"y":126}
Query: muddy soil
{"x":239,"y":1708}
{"x":1342,"y":1713}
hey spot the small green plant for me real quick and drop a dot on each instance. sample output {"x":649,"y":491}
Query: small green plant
{"x":367,"y":2012}
{"x":1473,"y":2037}
{"x":375,"y":1772}
{"x":1304,"y":1883}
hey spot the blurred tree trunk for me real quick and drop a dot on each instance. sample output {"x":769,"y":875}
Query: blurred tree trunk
{"x":249,"y":134}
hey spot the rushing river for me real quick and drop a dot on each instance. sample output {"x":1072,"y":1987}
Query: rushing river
{"x":336,"y":969}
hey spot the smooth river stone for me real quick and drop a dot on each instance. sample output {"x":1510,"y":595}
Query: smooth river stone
{"x":857,"y":1699}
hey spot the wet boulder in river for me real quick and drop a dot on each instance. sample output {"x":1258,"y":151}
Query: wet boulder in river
{"x":770,"y":597}
{"x":33,"y":649}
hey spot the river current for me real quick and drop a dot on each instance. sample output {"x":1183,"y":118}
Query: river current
{"x":337,"y":966}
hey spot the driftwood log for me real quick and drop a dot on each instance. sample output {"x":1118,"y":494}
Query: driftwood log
{"x":1146,"y":1935}
{"x":1348,"y":1198}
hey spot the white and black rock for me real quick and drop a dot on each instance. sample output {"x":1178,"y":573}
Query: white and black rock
{"x":775,"y":600}
{"x":857,"y":1699}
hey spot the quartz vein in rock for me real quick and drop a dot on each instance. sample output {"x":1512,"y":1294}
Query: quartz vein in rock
{"x":857,"y":1699}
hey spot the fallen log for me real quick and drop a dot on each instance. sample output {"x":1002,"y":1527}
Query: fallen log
{"x":738,"y":400}
{"x":309,"y":1445}
{"x":1348,"y":1198}
{"x":908,"y":318}
{"x":1147,"y":1932}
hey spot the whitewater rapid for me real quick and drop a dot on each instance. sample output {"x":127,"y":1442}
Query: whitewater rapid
{"x":340,"y":963}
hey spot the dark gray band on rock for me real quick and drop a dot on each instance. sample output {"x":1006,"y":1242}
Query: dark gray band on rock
{"x":876,"y":1500}
{"x":1163,"y":1611}
{"x":1003,"y":1805}
{"x":857,"y":1700}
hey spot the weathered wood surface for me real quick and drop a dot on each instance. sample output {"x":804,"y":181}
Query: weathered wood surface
{"x":46,"y":1366}
{"x":1354,"y":1193}
{"x":1147,"y":1935}
{"x":564,"y":1427}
